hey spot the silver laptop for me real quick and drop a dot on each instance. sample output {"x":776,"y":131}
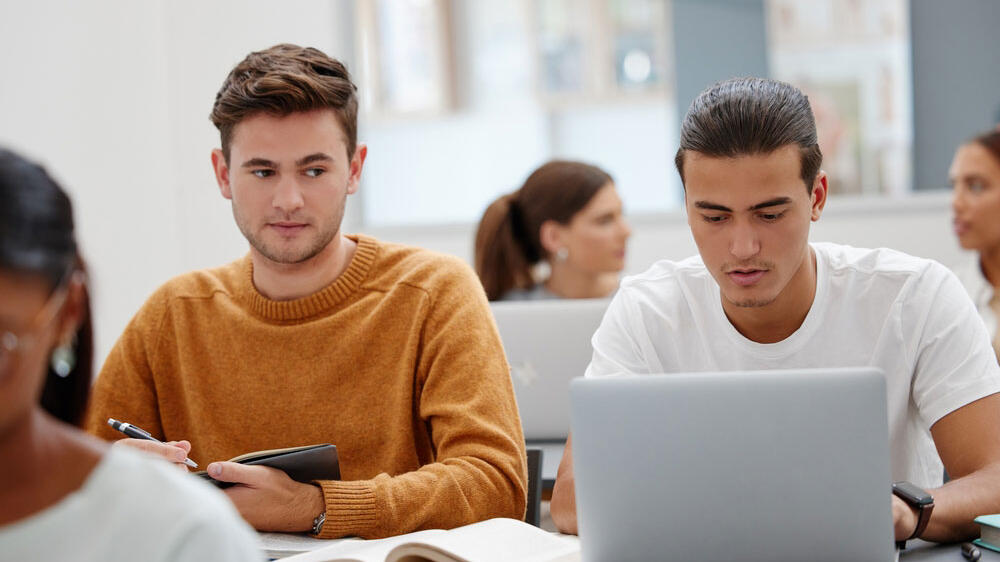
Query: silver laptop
{"x":547,"y":345}
{"x":773,"y":466}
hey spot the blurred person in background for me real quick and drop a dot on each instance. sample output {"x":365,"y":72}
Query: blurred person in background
{"x":975,"y":183}
{"x":56,"y":482}
{"x":567,"y":215}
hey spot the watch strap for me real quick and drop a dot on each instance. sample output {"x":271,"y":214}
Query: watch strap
{"x":318,"y":524}
{"x":923,"y":517}
{"x":924,"y":507}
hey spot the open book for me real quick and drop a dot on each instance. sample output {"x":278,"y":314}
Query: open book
{"x":303,"y":464}
{"x":494,"y":540}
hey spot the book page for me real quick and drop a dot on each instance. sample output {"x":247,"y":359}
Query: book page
{"x":281,"y":545}
{"x":494,"y":540}
{"x":361,"y":550}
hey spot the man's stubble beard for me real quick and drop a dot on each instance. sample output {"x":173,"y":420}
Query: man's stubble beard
{"x":319,"y":241}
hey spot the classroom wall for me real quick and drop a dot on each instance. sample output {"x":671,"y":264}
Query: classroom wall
{"x":114,"y":95}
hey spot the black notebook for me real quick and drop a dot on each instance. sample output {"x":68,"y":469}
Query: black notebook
{"x":302,"y":464}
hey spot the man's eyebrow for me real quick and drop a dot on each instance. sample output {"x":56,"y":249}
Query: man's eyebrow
{"x":712,"y":206}
{"x":771,"y":203}
{"x":315,"y":157}
{"x":258,"y":163}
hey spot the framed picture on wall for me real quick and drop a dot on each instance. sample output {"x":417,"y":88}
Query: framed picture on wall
{"x":406,"y":55}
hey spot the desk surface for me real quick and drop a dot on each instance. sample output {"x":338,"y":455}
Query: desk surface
{"x":925,"y":551}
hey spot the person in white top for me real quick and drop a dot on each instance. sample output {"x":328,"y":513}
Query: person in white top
{"x":975,"y":183}
{"x":63,"y":494}
{"x":759,"y":296}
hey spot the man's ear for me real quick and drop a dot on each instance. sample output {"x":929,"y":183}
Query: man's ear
{"x":221,"y":173}
{"x":550,"y":235}
{"x":357,"y":163}
{"x":819,"y":192}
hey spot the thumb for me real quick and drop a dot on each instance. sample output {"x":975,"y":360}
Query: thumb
{"x":225,"y":471}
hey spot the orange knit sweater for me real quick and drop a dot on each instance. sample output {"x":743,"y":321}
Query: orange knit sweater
{"x":397,"y":362}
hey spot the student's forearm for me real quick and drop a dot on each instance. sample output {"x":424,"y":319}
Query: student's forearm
{"x":441,"y":495}
{"x":960,"y":501}
{"x":563,"y":504}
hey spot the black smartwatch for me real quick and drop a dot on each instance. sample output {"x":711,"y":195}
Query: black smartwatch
{"x":918,"y":499}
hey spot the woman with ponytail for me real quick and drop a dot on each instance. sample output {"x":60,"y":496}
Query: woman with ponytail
{"x":63,"y":494}
{"x":567,"y":215}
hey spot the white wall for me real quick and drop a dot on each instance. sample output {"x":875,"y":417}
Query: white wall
{"x":114,"y":96}
{"x":919,"y":225}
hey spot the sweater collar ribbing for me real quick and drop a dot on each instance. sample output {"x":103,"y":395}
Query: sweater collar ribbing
{"x":321,"y":301}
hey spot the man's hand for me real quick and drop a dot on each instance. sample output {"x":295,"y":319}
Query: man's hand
{"x":173,"y":451}
{"x":904,"y":518}
{"x":268,"y":499}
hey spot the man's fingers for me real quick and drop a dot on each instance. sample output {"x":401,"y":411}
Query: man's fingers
{"x":237,"y":473}
{"x":172,"y":452}
{"x":183,"y":444}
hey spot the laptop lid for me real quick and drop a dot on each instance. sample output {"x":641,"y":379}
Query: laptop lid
{"x":758,"y":466}
{"x":547,"y":344}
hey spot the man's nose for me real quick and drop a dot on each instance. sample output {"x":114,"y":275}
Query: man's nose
{"x":744,"y":243}
{"x":288,"y":196}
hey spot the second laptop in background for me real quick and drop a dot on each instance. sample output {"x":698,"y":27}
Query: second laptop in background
{"x":547,"y":344}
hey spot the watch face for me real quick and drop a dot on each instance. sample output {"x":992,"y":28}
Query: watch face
{"x":912,"y":494}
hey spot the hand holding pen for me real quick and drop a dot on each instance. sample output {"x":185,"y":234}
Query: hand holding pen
{"x":167,"y":450}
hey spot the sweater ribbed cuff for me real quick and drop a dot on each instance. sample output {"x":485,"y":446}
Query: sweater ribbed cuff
{"x":350,"y":508}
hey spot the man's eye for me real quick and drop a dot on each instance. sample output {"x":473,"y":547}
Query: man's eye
{"x":315,"y":172}
{"x":977,"y":186}
{"x":771,"y":216}
{"x":713,"y":218}
{"x":263,"y":173}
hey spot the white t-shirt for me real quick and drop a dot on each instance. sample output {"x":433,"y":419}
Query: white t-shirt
{"x":882,"y":308}
{"x":134,"y":508}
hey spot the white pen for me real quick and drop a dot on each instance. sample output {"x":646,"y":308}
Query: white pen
{"x":139,"y":433}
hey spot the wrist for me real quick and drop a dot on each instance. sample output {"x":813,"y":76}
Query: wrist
{"x":313,"y":504}
{"x":915,"y":506}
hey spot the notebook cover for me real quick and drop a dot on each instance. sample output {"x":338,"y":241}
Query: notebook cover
{"x":991,"y":520}
{"x":305,"y":465}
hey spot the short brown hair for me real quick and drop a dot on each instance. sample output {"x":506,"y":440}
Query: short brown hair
{"x":749,"y":116}
{"x":282,"y":80}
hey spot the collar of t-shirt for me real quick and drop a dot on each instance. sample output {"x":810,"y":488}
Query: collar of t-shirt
{"x":801,"y":336}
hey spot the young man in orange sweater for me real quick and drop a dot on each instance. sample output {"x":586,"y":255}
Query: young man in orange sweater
{"x":388,"y":352}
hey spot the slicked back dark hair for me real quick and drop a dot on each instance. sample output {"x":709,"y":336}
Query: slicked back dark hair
{"x":748,"y":117}
{"x":282,"y":80}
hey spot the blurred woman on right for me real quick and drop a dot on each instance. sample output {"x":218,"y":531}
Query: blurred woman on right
{"x":975,"y":181}
{"x":567,"y":215}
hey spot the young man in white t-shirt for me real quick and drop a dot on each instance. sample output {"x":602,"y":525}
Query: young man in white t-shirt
{"x":759,"y":296}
